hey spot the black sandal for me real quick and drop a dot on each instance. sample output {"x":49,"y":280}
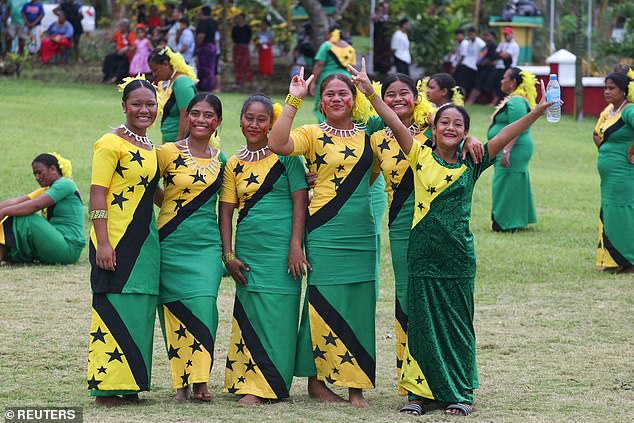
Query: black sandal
{"x":413,"y":408}
{"x":464,"y":409}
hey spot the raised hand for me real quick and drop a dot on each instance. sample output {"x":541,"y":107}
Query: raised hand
{"x":299,"y":86}
{"x":543,"y":105}
{"x":360,"y":79}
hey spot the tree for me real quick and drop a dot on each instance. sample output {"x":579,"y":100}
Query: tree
{"x":319,"y":19}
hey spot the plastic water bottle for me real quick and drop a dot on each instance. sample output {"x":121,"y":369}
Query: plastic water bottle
{"x":553,"y":93}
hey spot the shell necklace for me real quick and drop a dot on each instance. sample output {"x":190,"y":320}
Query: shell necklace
{"x":341,"y":133}
{"x":139,"y":138}
{"x":613,"y":112}
{"x":244,"y":152}
{"x":212,"y":166}
{"x":414,"y":129}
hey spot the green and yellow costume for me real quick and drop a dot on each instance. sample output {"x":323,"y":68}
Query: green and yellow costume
{"x":191,"y":264}
{"x":261,"y":352}
{"x":336,"y":60}
{"x":176,"y":98}
{"x":124,"y":301}
{"x":399,"y":182}
{"x":55,"y":236}
{"x":616,"y":225}
{"x":512,"y":199}
{"x":336,"y":339}
{"x":440,"y":360}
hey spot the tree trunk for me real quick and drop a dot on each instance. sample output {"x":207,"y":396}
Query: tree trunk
{"x":319,"y":20}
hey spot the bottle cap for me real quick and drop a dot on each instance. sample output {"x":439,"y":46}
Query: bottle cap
{"x":553,"y":76}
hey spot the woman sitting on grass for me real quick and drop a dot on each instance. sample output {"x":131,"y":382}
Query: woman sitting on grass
{"x":58,"y":235}
{"x":440,"y":361}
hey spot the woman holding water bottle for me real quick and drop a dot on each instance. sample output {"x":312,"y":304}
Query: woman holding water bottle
{"x":614,"y":135}
{"x":512,"y":197}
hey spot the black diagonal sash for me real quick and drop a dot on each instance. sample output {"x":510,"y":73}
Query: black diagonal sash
{"x":188,"y":209}
{"x":193,"y":324}
{"x":267,"y":186}
{"x":258,"y":352}
{"x":128,"y":249}
{"x":612,"y":129}
{"x":119,"y":331}
{"x":401,"y":194}
{"x":343,"y":330}
{"x":168,"y":106}
{"x":345,"y":191}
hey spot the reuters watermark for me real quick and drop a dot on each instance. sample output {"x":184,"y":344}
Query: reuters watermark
{"x":44,"y":414}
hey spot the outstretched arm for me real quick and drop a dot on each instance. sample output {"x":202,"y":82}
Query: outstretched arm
{"x":363,"y":83}
{"x":280,"y":141}
{"x":512,"y":131}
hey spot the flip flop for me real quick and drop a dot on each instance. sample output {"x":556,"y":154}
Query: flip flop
{"x":413,"y":408}
{"x":464,"y":409}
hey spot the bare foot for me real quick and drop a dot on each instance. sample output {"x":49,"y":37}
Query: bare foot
{"x":320,"y":392}
{"x":132,"y":398}
{"x":113,"y":401}
{"x":201,"y":392}
{"x":356,"y":399}
{"x":183,"y":394}
{"x":251,"y":400}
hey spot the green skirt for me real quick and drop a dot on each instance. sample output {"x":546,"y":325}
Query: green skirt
{"x":336,"y":341}
{"x":33,"y":238}
{"x":616,"y":235}
{"x":512,"y":200}
{"x":440,"y":357}
{"x":379,"y":204}
{"x":120,"y":351}
{"x":189,"y":330}
{"x":399,"y":238}
{"x":261,"y":352}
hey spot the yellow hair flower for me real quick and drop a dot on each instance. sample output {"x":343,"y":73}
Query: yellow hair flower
{"x":214,"y":140}
{"x":64,"y":165}
{"x":423,"y":109}
{"x":277,"y":111}
{"x":456,"y":96}
{"x":128,"y":79}
{"x":630,"y":86}
{"x":377,"y":87}
{"x":362,"y":109}
{"x":177,"y":61}
{"x":335,"y":36}
{"x":527,"y":88}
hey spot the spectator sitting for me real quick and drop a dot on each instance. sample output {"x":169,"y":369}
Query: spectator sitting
{"x":117,"y":64}
{"x":32,"y":14}
{"x":72,"y":10}
{"x":58,"y":40}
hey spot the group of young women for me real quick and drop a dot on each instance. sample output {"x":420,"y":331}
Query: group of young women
{"x":174,"y":263}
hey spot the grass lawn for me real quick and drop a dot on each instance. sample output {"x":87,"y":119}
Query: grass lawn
{"x":555,"y":338}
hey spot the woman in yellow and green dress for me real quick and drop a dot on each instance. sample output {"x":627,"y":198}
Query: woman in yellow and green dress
{"x":333,"y":56}
{"x":177,"y":88}
{"x":270,"y":193}
{"x":124,"y":253}
{"x":512,"y":199}
{"x":614,"y":137}
{"x":191,"y":266}
{"x":336,"y":343}
{"x":56,"y":236}
{"x":439,"y":359}
{"x":403,"y":96}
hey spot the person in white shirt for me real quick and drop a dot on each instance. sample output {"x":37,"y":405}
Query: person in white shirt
{"x":400,"y":47}
{"x":172,"y":34}
{"x":467,"y":70}
{"x":185,"y":41}
{"x":455,"y":57}
{"x":509,"y":52}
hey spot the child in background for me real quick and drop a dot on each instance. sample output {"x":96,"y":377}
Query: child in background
{"x":142,"y":50}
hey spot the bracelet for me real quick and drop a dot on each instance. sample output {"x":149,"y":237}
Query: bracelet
{"x":98,"y":214}
{"x":226,"y":258}
{"x":293,"y":101}
{"x":371,"y":96}
{"x":506,"y":151}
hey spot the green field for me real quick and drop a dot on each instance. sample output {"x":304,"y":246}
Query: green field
{"x":555,"y":338}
